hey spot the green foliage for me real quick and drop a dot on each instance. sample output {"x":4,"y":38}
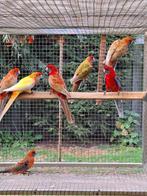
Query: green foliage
{"x":88,"y":121}
{"x":18,"y":139}
{"x":92,"y":121}
{"x":126,"y":130}
{"x":109,"y":153}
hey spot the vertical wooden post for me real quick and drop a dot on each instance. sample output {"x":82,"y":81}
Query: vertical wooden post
{"x":102,"y":51}
{"x":61,"y":45}
{"x":144,"y":116}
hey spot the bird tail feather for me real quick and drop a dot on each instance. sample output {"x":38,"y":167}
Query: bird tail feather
{"x":76,"y":85}
{"x":119,"y":107}
{"x":67,"y":112}
{"x":3,"y":99}
{"x":13,"y":96}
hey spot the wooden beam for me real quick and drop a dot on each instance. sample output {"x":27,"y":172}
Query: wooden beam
{"x":88,"y":95}
{"x":102,"y":50}
{"x":61,"y":48}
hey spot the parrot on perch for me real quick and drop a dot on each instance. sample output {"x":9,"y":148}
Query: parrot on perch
{"x":58,"y":87}
{"x":7,"y":81}
{"x":82,"y":72}
{"x":22,"y":166}
{"x":117,"y":49}
{"x":24,"y":85}
{"x":112,"y":84}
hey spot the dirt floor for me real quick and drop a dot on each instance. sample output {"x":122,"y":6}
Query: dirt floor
{"x":76,"y":181}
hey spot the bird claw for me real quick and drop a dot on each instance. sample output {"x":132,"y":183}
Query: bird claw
{"x":29,"y":91}
{"x":26,"y":173}
{"x":51,"y":91}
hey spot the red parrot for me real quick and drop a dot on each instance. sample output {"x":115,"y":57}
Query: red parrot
{"x":58,"y":87}
{"x":8,"y":80}
{"x":111,"y":81}
{"x":112,"y":84}
{"x":24,"y":85}
{"x":22,"y":166}
{"x":117,"y":49}
{"x":82,"y":72}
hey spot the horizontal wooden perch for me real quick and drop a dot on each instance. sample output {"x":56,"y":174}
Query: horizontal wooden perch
{"x":88,"y":95}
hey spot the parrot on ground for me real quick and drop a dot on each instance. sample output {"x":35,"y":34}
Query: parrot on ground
{"x":22,"y":166}
{"x":82,"y":72}
{"x":117,"y":49}
{"x":58,"y":87}
{"x":8,"y":80}
{"x":24,"y":85}
{"x":112,"y":84}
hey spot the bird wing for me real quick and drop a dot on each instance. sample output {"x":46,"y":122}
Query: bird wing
{"x":117,"y":80}
{"x":7,"y":81}
{"x":83,"y":69}
{"x":24,"y":84}
{"x":57,"y":83}
{"x":21,"y":167}
{"x":112,"y":50}
{"x":120,"y":51}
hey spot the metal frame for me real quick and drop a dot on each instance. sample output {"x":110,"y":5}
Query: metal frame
{"x":66,"y":192}
{"x":75,"y":164}
{"x":144,"y":117}
{"x":100,"y":96}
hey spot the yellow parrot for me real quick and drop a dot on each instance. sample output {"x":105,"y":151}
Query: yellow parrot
{"x":82,"y":72}
{"x":24,"y":85}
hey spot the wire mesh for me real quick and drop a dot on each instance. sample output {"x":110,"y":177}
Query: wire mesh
{"x":73,"y":17}
{"x":35,"y":123}
{"x":76,"y":181}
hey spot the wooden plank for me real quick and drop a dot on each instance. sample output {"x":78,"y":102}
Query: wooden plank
{"x":61,"y":48}
{"x":88,"y":95}
{"x":102,"y":51}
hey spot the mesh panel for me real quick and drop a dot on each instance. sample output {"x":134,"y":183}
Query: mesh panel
{"x":73,"y":17}
{"x":35,"y":122}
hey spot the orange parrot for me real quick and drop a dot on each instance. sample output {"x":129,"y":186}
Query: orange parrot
{"x":24,"y":85}
{"x":8,"y":80}
{"x":82,"y":72}
{"x":24,"y":165}
{"x":117,"y":49}
{"x":58,"y":87}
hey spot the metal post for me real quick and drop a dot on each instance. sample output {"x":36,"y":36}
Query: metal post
{"x":144,"y":116}
{"x":61,"y":44}
{"x":102,"y":51}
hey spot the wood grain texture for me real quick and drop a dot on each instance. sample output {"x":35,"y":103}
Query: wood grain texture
{"x":88,"y":95}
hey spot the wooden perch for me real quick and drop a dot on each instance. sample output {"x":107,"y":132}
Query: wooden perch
{"x":88,"y":95}
{"x":102,"y":50}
